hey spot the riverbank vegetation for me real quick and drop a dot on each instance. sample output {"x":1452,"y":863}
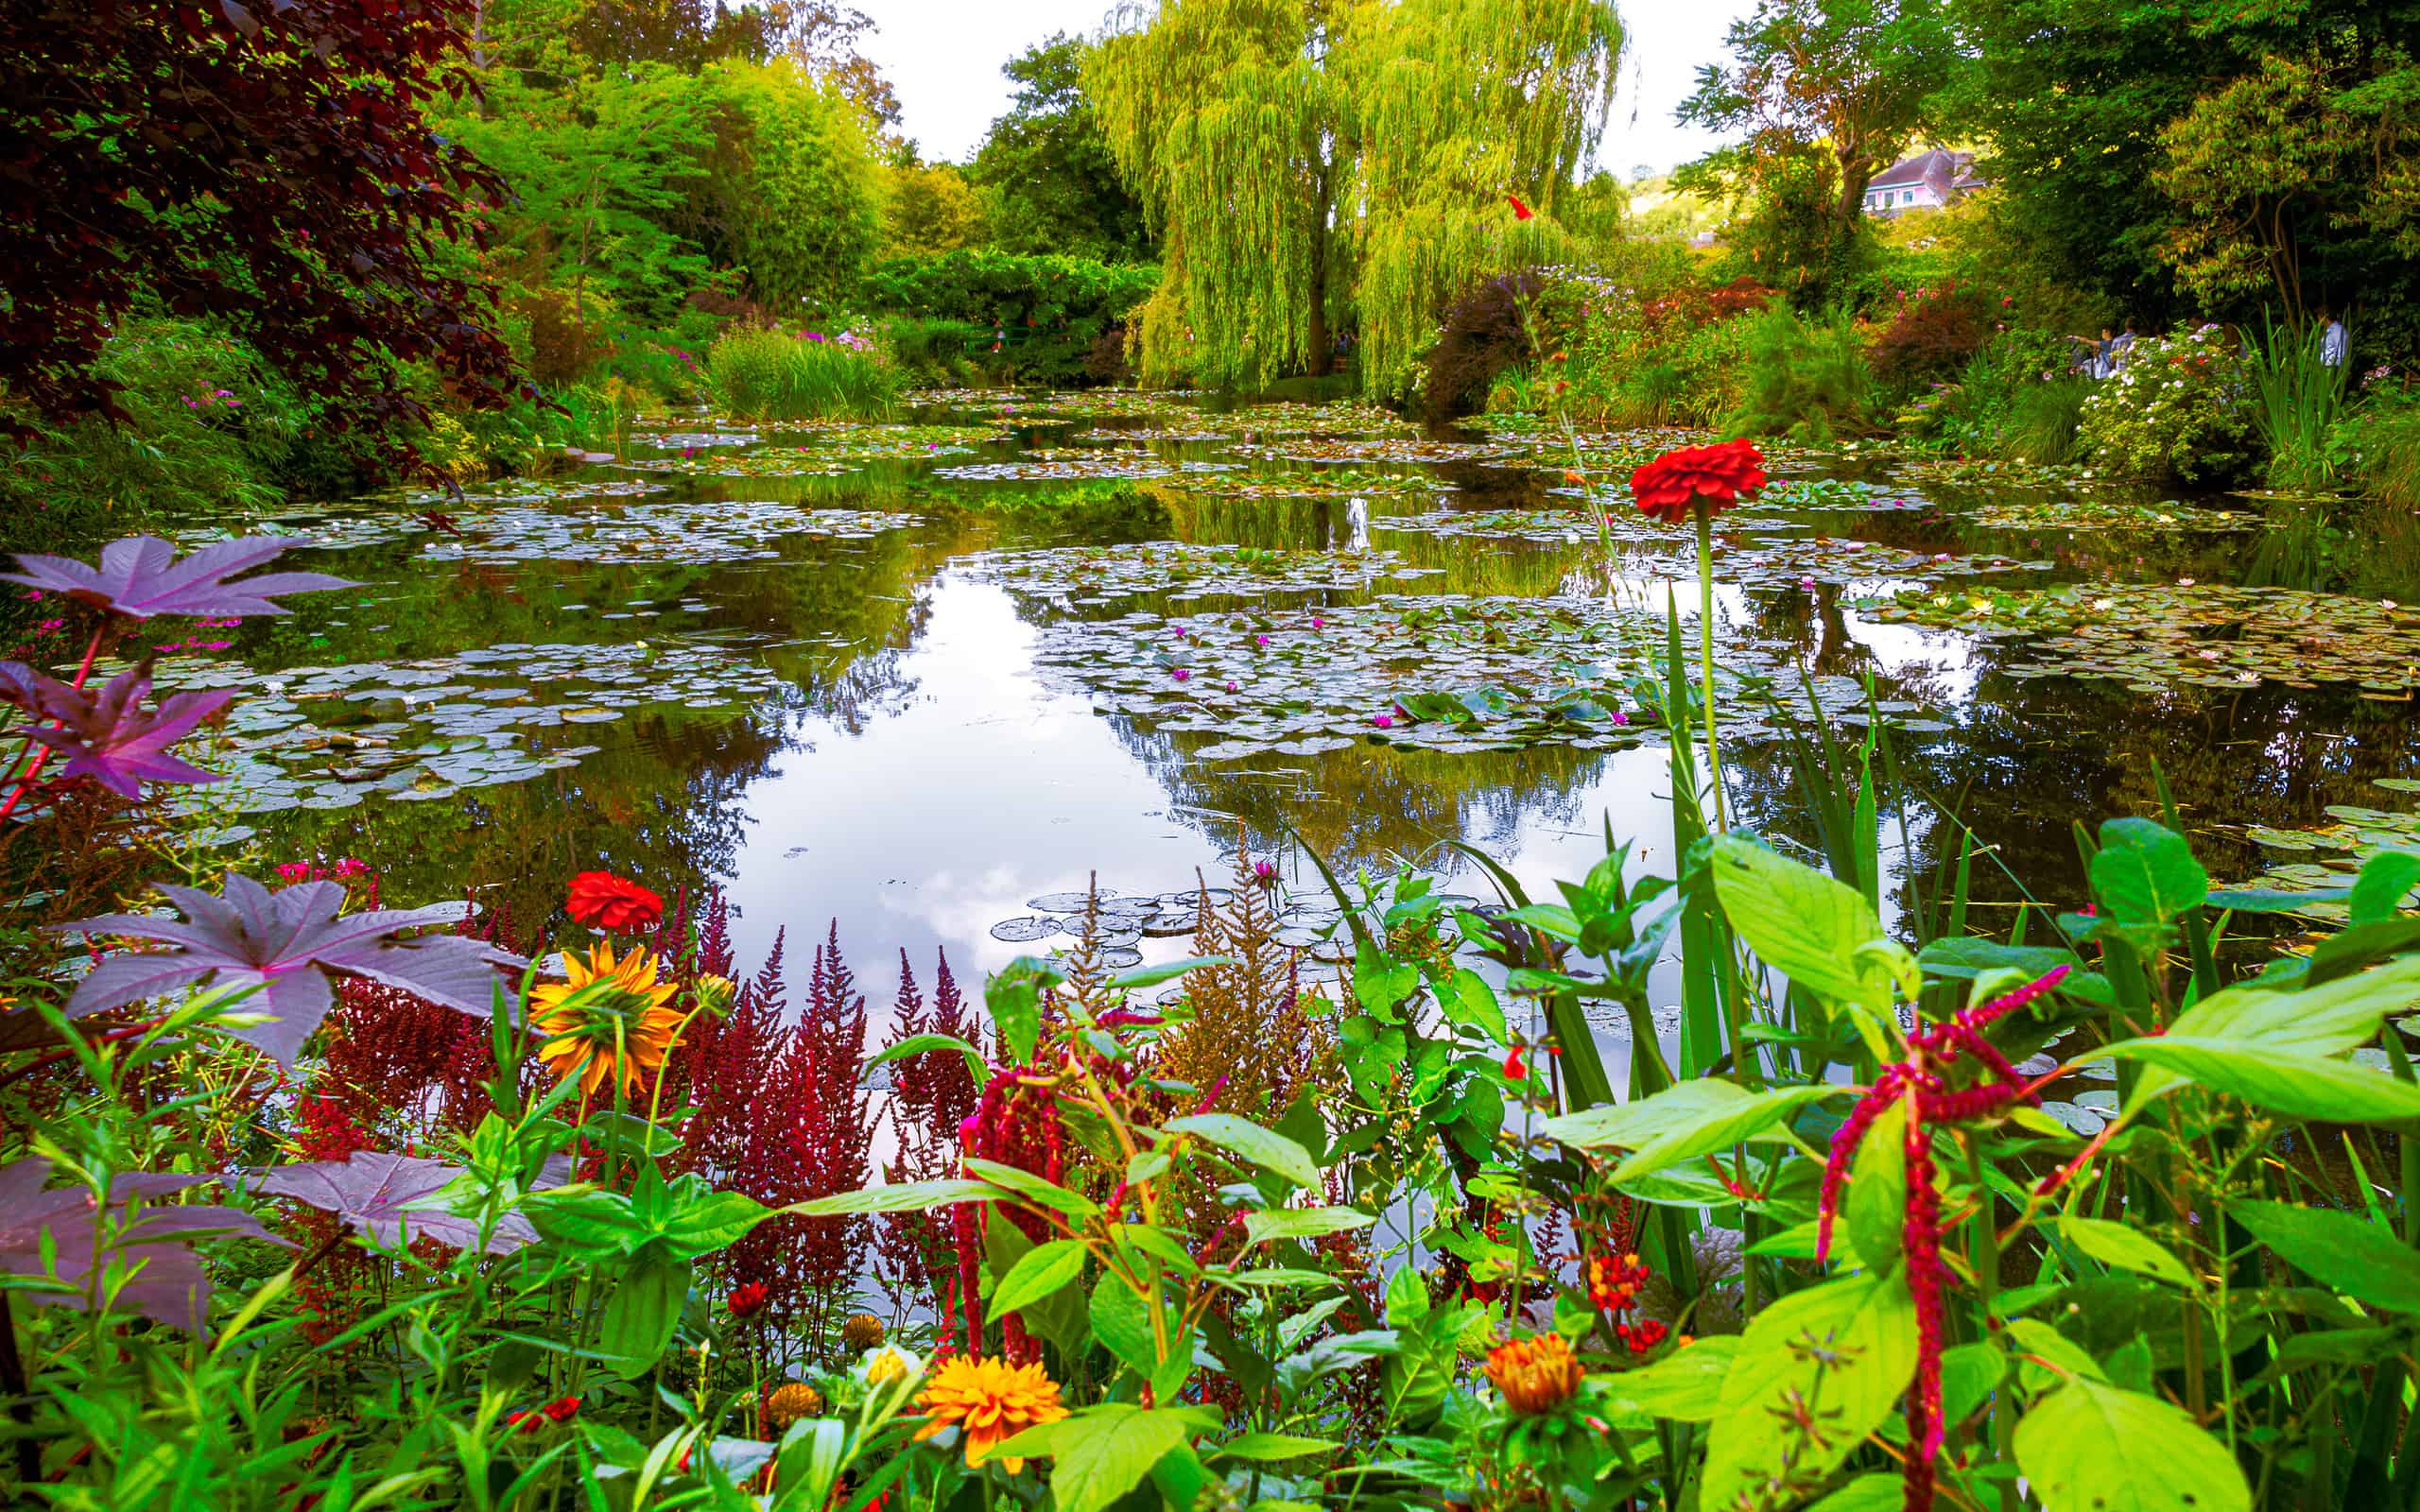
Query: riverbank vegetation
{"x":1811,"y":1147}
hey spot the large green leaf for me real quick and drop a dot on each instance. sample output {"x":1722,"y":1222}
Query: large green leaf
{"x":1265,"y":1148}
{"x":2299,"y":1086}
{"x":1802,"y":922}
{"x":2089,"y":1447}
{"x":1684,"y":1387}
{"x":2387,"y":878}
{"x":1301,"y":1223}
{"x":2146,"y":873}
{"x":904,"y":1197}
{"x":1014,"y":995}
{"x":1103,"y":1452}
{"x":1877,"y":1203}
{"x":1466,"y":999}
{"x":1642,"y":1120}
{"x":1039,"y":1273}
{"x":642,"y":1307}
{"x":2320,"y":1020}
{"x":2125,"y":1247}
{"x":1040,"y":1191}
{"x":1751,"y":1116}
{"x":1849,"y":1345}
{"x":2363,"y":1259}
{"x":1867,"y":1493}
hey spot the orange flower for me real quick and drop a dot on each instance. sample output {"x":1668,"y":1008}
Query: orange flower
{"x":604,"y":899}
{"x":610,"y":1020}
{"x":990,"y":1400}
{"x":1535,"y":1375}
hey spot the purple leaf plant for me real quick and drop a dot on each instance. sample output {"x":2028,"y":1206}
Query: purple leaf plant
{"x":166,"y":1281}
{"x":141,"y":576}
{"x":287,"y":944}
{"x":390,"y":1197}
{"x":110,"y":736}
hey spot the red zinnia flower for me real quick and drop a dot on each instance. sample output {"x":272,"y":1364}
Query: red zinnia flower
{"x":562,"y":1409}
{"x":601,"y":897}
{"x":748,"y":1300}
{"x":1668,"y":487}
{"x":1520,"y":211}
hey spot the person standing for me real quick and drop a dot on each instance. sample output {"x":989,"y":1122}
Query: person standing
{"x":2333,"y":343}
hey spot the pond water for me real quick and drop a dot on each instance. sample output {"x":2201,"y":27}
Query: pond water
{"x":913,"y":679}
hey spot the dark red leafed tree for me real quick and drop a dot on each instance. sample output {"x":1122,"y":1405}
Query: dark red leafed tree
{"x":269,"y":163}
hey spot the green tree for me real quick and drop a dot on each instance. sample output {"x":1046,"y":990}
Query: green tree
{"x":928,"y":210}
{"x":600,"y":171}
{"x":1827,"y":93}
{"x":803,"y":212}
{"x":2179,"y":156}
{"x":1045,"y":170}
{"x":1344,"y":157}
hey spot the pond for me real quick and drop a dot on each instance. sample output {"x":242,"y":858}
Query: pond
{"x":917,"y":679}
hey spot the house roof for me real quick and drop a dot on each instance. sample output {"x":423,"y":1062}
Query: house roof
{"x":1941,"y":168}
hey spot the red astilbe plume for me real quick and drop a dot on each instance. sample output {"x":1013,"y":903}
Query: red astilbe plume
{"x":932,"y":1093}
{"x":808,"y":1133}
{"x":1920,"y":1083}
{"x":728,"y":1062}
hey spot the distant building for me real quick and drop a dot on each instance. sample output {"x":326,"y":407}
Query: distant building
{"x":1929,"y":180}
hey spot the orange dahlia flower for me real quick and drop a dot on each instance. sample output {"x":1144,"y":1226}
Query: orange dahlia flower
{"x":990,"y":1400}
{"x":1535,"y":1375}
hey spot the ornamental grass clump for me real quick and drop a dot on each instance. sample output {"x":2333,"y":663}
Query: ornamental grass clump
{"x":777,"y":375}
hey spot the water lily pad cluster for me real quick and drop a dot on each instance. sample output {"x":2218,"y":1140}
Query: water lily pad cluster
{"x":655,"y":533}
{"x":1394,"y":670}
{"x":865,"y":442}
{"x":783,"y":462}
{"x":2329,"y":856}
{"x":1186,"y":434}
{"x":2156,"y":636}
{"x":533,"y":490}
{"x":2109,"y":514}
{"x":333,"y":737}
{"x":1326,"y":484}
{"x":1135,"y":466}
{"x":1398,"y":450}
{"x":1101,"y":575}
{"x":1257,"y":421}
{"x":1537,"y":526}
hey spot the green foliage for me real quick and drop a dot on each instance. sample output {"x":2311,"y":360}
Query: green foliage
{"x":775,"y":375}
{"x":2381,"y":441}
{"x":2297,"y":400}
{"x":1047,"y":181}
{"x":930,"y":210}
{"x":1049,"y":313}
{"x":1288,"y":155}
{"x":804,"y":215}
{"x":2177,"y":409}
{"x":1803,"y":379}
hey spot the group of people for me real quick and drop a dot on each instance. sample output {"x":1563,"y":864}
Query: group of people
{"x":2104,"y":357}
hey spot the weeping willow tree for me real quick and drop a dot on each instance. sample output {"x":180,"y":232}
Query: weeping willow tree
{"x":1303,"y":157}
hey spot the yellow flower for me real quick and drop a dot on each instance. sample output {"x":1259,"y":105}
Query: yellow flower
{"x":886,"y":1364}
{"x":790,"y":1402}
{"x":715,"y":993}
{"x":1535,"y":1375}
{"x":610,"y":1019}
{"x":992,"y":1399}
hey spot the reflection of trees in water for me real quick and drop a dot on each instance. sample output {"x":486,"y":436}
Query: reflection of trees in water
{"x":1372,"y":803}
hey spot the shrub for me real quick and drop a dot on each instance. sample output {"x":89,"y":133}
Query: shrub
{"x":775,"y":375}
{"x":2381,"y":443}
{"x":1488,"y":332}
{"x":935,"y":351}
{"x":2043,"y":419}
{"x":1051,"y":310}
{"x":2176,"y":410}
{"x":1807,"y":382}
{"x":1933,"y":335}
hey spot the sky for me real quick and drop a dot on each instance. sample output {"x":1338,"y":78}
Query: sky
{"x":943,"y":59}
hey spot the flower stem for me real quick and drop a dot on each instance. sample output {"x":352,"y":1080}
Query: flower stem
{"x":1706,"y":658}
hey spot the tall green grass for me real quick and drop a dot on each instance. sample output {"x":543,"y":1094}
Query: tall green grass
{"x":1808,"y":381}
{"x":2042,"y":419}
{"x":2297,"y":398}
{"x":2381,"y":441}
{"x":775,"y":376}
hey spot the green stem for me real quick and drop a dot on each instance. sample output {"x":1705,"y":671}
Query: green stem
{"x":1705,"y":659}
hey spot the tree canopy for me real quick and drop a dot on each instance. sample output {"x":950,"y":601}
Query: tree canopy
{"x":1045,"y":170}
{"x":1357,"y":158}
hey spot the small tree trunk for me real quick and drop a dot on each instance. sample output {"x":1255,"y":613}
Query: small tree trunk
{"x":1318,"y":360}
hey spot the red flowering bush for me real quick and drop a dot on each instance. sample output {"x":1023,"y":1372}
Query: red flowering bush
{"x":604,"y":900}
{"x":1668,"y":487}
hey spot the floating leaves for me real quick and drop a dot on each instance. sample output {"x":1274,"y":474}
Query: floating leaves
{"x":331,"y":737}
{"x":1133,"y":466}
{"x":1100,"y":575}
{"x":1326,"y":484}
{"x":2109,"y":514}
{"x":655,"y":533}
{"x":1402,"y":450}
{"x":2157,"y":637}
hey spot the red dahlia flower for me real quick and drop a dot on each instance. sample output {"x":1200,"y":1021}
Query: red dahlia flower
{"x":1668,"y":487}
{"x":748,"y":1300}
{"x":600,"y":898}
